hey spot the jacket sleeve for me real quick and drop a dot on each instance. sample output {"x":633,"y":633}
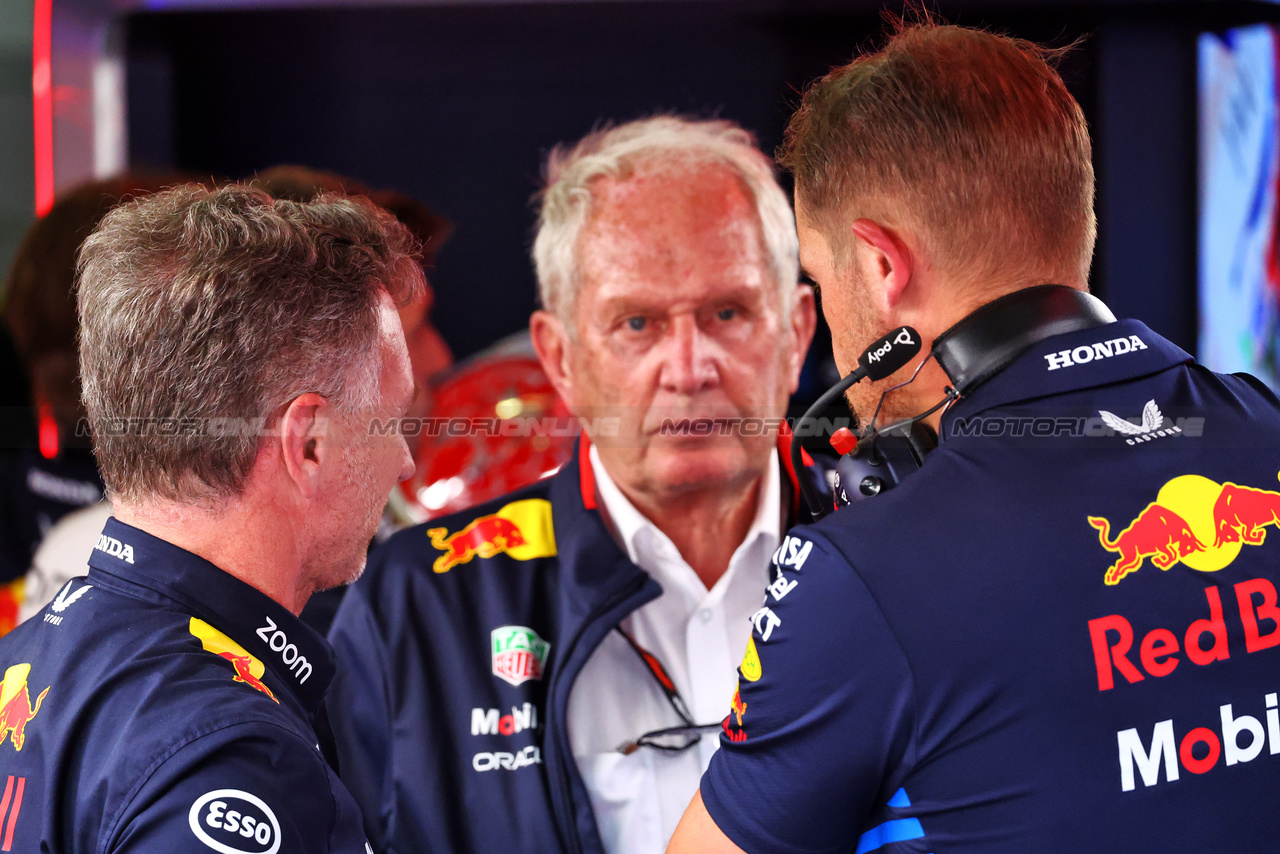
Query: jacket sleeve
{"x":823,"y":714}
{"x":250,"y":787}
{"x":359,"y":704}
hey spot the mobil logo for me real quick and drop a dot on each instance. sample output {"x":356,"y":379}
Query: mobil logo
{"x":232,"y":821}
{"x":492,"y":722}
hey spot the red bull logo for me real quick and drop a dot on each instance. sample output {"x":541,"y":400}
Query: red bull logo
{"x":522,"y":529}
{"x":1241,"y":512}
{"x":736,"y":710}
{"x":16,"y":710}
{"x":248,"y":669}
{"x":243,"y":665}
{"x":1158,"y":533}
{"x":1194,"y":521}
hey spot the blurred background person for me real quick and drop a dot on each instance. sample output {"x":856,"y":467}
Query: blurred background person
{"x":47,"y":468}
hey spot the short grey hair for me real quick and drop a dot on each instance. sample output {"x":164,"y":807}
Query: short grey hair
{"x":567,"y":202}
{"x":204,"y":312}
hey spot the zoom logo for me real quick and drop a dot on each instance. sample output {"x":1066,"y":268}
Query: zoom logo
{"x":234,"y":822}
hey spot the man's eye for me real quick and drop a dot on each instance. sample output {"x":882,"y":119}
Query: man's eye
{"x":636,"y":324}
{"x":727,"y":313}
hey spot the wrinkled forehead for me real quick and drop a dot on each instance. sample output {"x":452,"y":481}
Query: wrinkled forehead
{"x":671,"y":218}
{"x":671,"y":192}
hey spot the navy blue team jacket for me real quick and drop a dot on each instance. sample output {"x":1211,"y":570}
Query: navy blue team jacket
{"x":1060,"y":635}
{"x":161,"y":705}
{"x":457,"y":650}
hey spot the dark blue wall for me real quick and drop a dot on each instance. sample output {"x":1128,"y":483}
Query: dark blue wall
{"x":458,"y":105}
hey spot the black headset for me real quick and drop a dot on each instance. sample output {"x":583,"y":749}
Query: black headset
{"x":971,"y":352}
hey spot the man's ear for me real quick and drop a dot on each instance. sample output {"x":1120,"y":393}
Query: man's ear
{"x":884,"y":258}
{"x":551,"y":343}
{"x":804,"y":320}
{"x":306,"y":441}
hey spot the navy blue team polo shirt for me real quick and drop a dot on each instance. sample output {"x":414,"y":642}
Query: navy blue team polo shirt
{"x":161,"y":705}
{"x":1060,"y":635}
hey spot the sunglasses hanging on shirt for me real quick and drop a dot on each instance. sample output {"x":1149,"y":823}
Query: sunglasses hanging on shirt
{"x":676,"y":739}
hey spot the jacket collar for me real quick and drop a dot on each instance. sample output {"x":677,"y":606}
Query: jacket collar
{"x":134,"y":562}
{"x":1099,"y":355}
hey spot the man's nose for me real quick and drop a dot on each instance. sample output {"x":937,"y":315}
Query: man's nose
{"x":407,"y":465}
{"x":689,"y":358}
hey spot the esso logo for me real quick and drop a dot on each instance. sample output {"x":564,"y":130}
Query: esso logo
{"x":234,"y":822}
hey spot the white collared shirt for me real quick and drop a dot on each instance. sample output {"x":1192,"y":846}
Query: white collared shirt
{"x":699,"y":635}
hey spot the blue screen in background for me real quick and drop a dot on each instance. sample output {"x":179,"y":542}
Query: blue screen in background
{"x":1239,"y":264}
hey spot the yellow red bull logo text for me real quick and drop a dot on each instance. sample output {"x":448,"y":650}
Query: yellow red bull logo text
{"x":1194,"y":521}
{"x":16,"y":710}
{"x":521,"y":529}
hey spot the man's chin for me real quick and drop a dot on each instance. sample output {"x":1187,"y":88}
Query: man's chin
{"x":693,"y":464}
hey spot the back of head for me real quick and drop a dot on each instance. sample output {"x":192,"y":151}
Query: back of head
{"x":657,"y":143}
{"x":970,"y":138}
{"x":302,"y":184}
{"x":204,"y":313}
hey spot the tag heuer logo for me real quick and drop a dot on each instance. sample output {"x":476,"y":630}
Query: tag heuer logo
{"x":518,"y":654}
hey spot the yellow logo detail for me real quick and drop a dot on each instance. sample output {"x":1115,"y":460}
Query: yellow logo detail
{"x":248,"y":669}
{"x":522,"y":529}
{"x":16,"y":710}
{"x":751,"y":663}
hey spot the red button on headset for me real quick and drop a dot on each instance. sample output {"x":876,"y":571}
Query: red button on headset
{"x":844,"y":441}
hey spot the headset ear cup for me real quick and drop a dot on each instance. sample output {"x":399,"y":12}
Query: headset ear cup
{"x":881,"y":461}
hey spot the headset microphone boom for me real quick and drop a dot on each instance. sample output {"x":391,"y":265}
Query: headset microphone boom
{"x":886,"y":356}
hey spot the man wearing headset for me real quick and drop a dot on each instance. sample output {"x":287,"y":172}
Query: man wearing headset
{"x":1060,"y":634}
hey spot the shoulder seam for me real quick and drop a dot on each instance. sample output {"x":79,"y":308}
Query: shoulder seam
{"x":145,"y":777}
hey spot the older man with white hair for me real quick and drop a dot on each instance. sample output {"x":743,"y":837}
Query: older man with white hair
{"x":549,"y":671}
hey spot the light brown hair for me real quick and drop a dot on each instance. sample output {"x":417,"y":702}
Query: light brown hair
{"x":970,"y":136}
{"x":205,"y":312}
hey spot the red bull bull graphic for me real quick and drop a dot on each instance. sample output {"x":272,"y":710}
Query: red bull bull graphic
{"x":521,"y":529}
{"x":248,"y":669}
{"x":737,"y":709}
{"x":1158,"y":533}
{"x":1193,"y":521}
{"x":16,"y":710}
{"x":1241,"y":512}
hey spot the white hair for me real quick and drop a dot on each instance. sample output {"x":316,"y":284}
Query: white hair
{"x":567,"y":203}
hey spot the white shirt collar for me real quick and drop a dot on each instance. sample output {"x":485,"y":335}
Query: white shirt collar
{"x":652,"y":550}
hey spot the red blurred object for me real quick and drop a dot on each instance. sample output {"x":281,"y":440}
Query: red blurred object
{"x":495,"y":425}
{"x":48,"y":432}
{"x":42,"y":103}
{"x":844,"y":441}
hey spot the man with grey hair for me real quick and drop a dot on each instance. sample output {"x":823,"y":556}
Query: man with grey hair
{"x":234,"y":350}
{"x":547,"y":672}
